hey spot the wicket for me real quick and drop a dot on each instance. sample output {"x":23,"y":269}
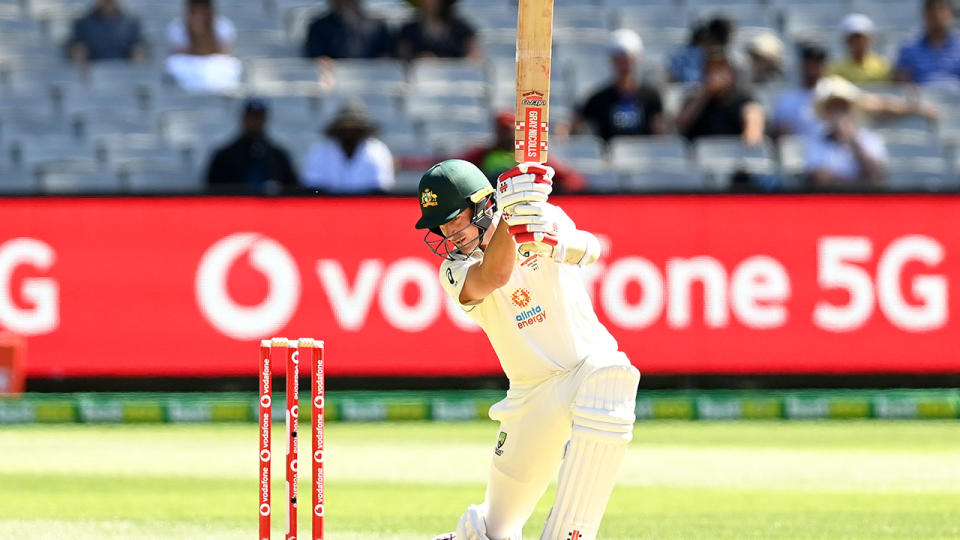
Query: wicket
{"x":272,"y":352}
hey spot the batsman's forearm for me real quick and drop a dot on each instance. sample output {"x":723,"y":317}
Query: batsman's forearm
{"x":499,"y":257}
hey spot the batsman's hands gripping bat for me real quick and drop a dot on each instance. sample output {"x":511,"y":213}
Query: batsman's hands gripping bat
{"x":536,"y":232}
{"x":527,"y":182}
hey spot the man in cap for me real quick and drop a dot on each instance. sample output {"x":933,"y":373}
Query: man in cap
{"x":252,"y":163}
{"x":862,"y":65}
{"x":512,"y":262}
{"x":626,"y":106}
{"x":351,"y":159}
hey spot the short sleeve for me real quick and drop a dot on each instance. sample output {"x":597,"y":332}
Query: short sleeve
{"x":904,"y":62}
{"x":453,"y":273}
{"x":383,"y":161}
{"x":815,"y":153}
{"x":226,"y":31}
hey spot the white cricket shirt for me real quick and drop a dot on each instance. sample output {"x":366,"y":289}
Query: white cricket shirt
{"x":542,"y":321}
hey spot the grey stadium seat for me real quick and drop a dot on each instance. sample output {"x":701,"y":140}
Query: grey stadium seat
{"x":687,"y":179}
{"x":648,"y":153}
{"x":161,"y":180}
{"x":367,"y":75}
{"x":76,"y":177}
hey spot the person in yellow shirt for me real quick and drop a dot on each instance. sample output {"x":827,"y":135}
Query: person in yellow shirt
{"x":862,"y":65}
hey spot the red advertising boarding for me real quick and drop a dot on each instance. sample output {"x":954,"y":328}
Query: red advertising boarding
{"x":687,"y":284}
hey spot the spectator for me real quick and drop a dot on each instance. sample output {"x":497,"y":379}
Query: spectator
{"x":106,"y":32}
{"x":498,"y":158}
{"x":626,"y":106}
{"x":346,"y":31}
{"x":862,"y":65}
{"x":686,"y":66}
{"x":438,"y":32}
{"x":252,"y":163}
{"x":793,"y":112}
{"x":934,"y":57}
{"x":201,"y":48}
{"x":765,"y":52}
{"x":720,"y":106}
{"x":201,"y":30}
{"x":351,"y":160}
{"x":842,"y":154}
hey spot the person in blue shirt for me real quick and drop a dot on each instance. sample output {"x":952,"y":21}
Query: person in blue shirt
{"x":934,"y":57}
{"x":106,"y":32}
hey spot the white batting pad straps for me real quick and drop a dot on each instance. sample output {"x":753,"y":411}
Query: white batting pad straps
{"x":605,"y":403}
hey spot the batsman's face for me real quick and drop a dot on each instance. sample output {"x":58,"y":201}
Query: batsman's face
{"x":459,"y":231}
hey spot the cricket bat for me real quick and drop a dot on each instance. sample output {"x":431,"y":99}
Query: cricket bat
{"x":534,"y":42}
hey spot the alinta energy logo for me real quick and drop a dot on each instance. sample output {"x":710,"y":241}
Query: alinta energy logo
{"x":266,"y":256}
{"x":522,"y":298}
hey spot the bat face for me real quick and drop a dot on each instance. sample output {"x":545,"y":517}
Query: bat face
{"x":534,"y":42}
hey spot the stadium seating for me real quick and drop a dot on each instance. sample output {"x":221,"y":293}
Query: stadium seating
{"x":60,"y":128}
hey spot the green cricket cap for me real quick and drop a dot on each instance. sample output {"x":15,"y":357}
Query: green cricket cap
{"x":449,"y":188}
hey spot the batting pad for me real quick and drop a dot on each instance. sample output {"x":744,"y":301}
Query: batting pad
{"x":603,"y":416}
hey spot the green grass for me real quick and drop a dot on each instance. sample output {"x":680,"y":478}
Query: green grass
{"x":740,"y":480}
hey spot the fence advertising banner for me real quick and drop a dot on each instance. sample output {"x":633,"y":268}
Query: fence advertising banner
{"x":687,"y":284}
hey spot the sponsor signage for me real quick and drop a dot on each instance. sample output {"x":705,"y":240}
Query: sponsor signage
{"x":694,"y":284}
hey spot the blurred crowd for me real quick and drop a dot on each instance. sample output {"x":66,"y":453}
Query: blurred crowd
{"x":758,"y":96}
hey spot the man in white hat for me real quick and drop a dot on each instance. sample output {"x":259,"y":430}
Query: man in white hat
{"x":626,"y":106}
{"x":862,"y":65}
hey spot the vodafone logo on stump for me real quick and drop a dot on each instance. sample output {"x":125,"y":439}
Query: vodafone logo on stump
{"x":267,"y":257}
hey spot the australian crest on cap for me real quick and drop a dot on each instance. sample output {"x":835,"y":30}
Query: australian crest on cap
{"x":428,"y":198}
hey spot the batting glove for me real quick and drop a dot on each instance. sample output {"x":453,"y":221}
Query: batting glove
{"x":534,"y":232}
{"x":527,"y":182}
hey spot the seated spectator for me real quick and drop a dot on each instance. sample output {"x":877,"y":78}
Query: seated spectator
{"x":438,"y":32}
{"x":686,"y":65}
{"x":793,"y":111}
{"x":252,"y":163}
{"x":842,"y":154}
{"x":497,"y":158}
{"x":350,"y":160}
{"x":201,"y":46}
{"x":347,"y":31}
{"x":765,"y":52}
{"x":201,"y":29}
{"x":934,"y":57}
{"x":862,"y":65}
{"x":106,"y":32}
{"x":720,"y":106}
{"x":626,"y":106}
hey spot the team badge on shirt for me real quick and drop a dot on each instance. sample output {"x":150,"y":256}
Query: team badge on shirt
{"x":500,"y":442}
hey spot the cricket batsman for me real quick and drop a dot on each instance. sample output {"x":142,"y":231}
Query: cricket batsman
{"x":512,"y":261}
